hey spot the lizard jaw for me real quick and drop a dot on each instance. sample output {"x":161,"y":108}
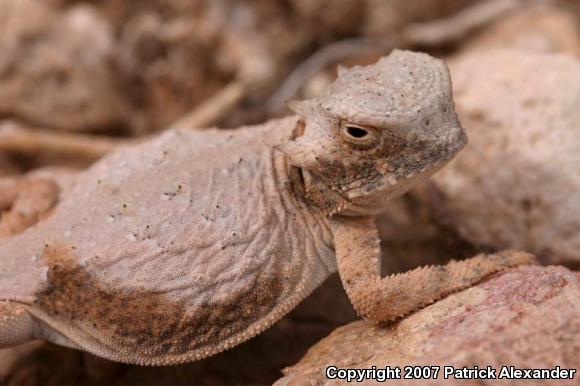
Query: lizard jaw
{"x":361,"y":201}
{"x":375,"y":201}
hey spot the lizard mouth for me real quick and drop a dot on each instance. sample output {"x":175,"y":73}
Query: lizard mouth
{"x":371,"y":198}
{"x":375,"y":200}
{"x":385,"y":183}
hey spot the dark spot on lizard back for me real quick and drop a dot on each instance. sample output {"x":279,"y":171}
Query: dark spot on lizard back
{"x":153,"y":324}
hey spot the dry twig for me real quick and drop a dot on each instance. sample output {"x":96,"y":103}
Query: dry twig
{"x":14,"y":138}
{"x":213,"y":109}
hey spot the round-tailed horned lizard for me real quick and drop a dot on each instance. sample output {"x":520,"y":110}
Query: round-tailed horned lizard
{"x":181,"y":247}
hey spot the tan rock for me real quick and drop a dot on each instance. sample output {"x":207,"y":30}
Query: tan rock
{"x":55,"y":67}
{"x":28,"y":199}
{"x":528,"y":317}
{"x":11,"y":356}
{"x":385,"y":17}
{"x":342,"y":17}
{"x":517,"y":183}
{"x":540,"y":27}
{"x":8,"y":166}
{"x":411,"y":236}
{"x":24,"y":202}
{"x":176,"y":59}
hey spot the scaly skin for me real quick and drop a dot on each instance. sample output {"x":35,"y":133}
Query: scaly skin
{"x":184,"y":246}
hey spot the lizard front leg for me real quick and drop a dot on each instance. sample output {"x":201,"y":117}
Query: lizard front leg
{"x":357,"y":247}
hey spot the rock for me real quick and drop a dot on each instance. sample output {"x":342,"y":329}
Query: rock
{"x":527,"y":317}
{"x":517,"y":183}
{"x":24,"y":202}
{"x":539,"y":27}
{"x":411,"y":236}
{"x":8,"y":357}
{"x":171,"y":61}
{"x":28,"y":199}
{"x":55,"y":67}
{"x":342,"y":17}
{"x":385,"y":17}
{"x":8,"y":166}
{"x":166,"y":67}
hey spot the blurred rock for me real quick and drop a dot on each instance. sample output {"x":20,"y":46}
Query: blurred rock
{"x":40,"y":364}
{"x":55,"y":67}
{"x":174,"y":55}
{"x":517,"y":183}
{"x":527,"y":317}
{"x":411,"y":236}
{"x":24,"y":202}
{"x":8,"y":165}
{"x":339,"y":17}
{"x":8,"y":357}
{"x":539,"y":27}
{"x":166,"y":69}
{"x":385,"y":17}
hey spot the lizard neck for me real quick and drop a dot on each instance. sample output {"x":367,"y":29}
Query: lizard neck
{"x":317,"y":193}
{"x":310,"y":189}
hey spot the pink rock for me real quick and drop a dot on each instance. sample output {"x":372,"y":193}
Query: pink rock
{"x":528,"y":317}
{"x":545,"y":27}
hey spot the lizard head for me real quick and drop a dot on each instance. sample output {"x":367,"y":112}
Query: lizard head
{"x":377,"y":131}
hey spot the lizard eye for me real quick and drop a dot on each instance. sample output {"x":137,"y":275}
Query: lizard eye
{"x":356,"y":132}
{"x":360,"y":137}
